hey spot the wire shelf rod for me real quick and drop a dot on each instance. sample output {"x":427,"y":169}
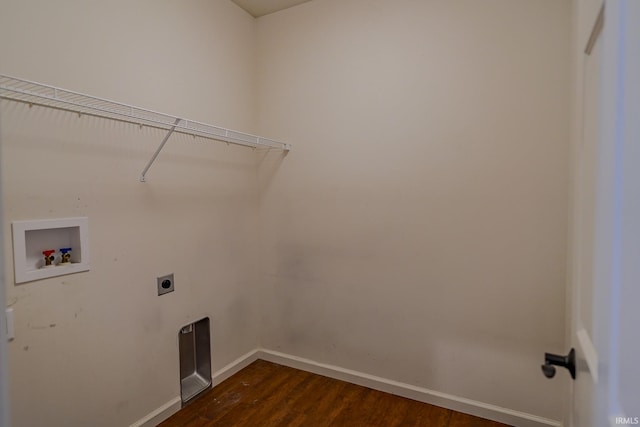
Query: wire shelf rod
{"x":33,"y":93}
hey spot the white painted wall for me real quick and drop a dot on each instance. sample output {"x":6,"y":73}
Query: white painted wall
{"x":100,"y":348}
{"x":417,"y":231}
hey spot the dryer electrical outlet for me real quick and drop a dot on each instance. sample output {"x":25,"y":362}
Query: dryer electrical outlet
{"x":165,"y":284}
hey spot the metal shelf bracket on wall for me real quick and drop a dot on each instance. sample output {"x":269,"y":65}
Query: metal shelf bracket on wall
{"x":153,"y":158}
{"x":32,"y":93}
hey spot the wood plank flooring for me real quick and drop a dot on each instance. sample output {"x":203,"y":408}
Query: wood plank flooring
{"x":265,"y":394}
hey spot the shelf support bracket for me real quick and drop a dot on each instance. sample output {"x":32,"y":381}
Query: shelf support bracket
{"x":153,"y":158}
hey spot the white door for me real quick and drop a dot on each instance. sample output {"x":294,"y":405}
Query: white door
{"x":606,"y":223}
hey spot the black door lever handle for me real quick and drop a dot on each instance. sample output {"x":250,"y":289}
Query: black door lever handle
{"x":553,"y":360}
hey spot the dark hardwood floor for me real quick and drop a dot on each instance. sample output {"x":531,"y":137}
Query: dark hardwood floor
{"x":265,"y":394}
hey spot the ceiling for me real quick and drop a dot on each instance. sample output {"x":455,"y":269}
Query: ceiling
{"x":258,"y":8}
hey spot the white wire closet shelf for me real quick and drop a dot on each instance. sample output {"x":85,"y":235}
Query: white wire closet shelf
{"x":32,"y":93}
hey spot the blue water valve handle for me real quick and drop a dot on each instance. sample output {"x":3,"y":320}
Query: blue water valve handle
{"x":66,"y":256}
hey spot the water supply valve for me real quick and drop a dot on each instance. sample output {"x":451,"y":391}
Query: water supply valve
{"x":66,"y":256}
{"x":48,"y":257}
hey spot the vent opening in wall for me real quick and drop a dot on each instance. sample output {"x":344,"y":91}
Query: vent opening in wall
{"x":195,"y":359}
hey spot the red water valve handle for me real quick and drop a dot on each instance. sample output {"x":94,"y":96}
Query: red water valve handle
{"x":48,"y":252}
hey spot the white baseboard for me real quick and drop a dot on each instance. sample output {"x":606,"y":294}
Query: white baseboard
{"x":237,"y":365}
{"x":171,"y":407}
{"x":159,"y":415}
{"x":460,"y":404}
